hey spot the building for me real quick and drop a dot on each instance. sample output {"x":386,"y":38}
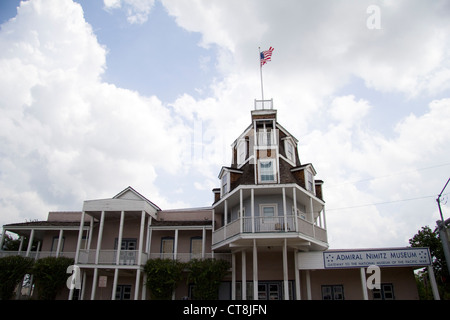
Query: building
{"x":267,"y":218}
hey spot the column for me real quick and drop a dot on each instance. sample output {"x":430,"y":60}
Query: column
{"x":294,"y":199}
{"x":2,"y":239}
{"x":114,"y":288}
{"x":233,"y":276}
{"x":58,"y":247}
{"x":434,"y":287}
{"x":203,"y":242}
{"x":141,"y":238}
{"x":225,"y":218}
{"x":285,"y":210}
{"x":136,"y":285}
{"x":255,"y":271}
{"x":119,"y":241}
{"x":252,"y":203}
{"x":244,"y":275}
{"x":100,"y":236}
{"x":241,"y":209}
{"x":363,"y":283}
{"x":94,"y":283}
{"x":297,"y":276}
{"x":285,"y":271}
{"x":324,"y":219}
{"x":308,"y":285}
{"x":80,"y":236}
{"x":175,"y":245}
{"x":30,"y":243}
{"x":91,"y":231}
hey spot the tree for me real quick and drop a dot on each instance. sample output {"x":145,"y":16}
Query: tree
{"x":163,"y":276}
{"x":50,"y":276}
{"x":12,"y":272}
{"x":428,"y":238}
{"x":206,"y":276}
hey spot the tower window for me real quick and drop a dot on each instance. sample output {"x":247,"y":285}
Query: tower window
{"x":241,"y":152}
{"x":290,"y":151}
{"x":267,"y":170}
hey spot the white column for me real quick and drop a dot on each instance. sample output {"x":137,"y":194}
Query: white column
{"x":2,"y":239}
{"x":91,"y":232}
{"x":136,"y":285}
{"x":308,"y":285}
{"x":285,"y":271}
{"x":362,"y":272}
{"x":30,"y":242}
{"x":244,"y":276}
{"x":297,"y":276}
{"x":255,"y":271}
{"x":233,"y":276}
{"x":58,"y":247}
{"x":100,"y":236}
{"x":241,"y":208}
{"x":225,"y":218}
{"x":203,"y":242}
{"x":141,"y":238}
{"x":119,"y":240}
{"x":114,"y":288}
{"x":434,"y":287}
{"x":311,"y":212}
{"x":83,"y":286}
{"x":21,"y":244}
{"x":94,"y":283}
{"x":294,"y":199}
{"x":80,"y":236}
{"x":175,"y":245}
{"x":285,"y":209}
{"x":149,"y":236}
{"x":252,"y":201}
{"x":324,"y":218}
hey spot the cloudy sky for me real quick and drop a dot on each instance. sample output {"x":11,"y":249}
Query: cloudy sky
{"x":99,"y":95}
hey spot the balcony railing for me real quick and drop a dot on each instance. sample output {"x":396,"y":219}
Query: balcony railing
{"x":266,"y":138}
{"x":278,"y":224}
{"x":36,"y":255}
{"x":126,"y":257}
{"x":186,"y":257}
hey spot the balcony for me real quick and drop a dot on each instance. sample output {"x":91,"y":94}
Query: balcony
{"x":283,"y":226}
{"x":266,"y":138}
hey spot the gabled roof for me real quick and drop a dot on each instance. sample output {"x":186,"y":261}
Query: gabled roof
{"x":131,"y":194}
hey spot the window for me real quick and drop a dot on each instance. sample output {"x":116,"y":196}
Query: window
{"x":55,"y":244}
{"x":290,"y":150}
{"x":334,"y":292}
{"x":196,"y":247}
{"x":241,"y":152}
{"x":167,"y":248}
{"x":225,"y":183}
{"x":310,"y":183}
{"x":386,"y":292}
{"x":299,"y":214}
{"x":267,"y":171}
{"x":123,"y":292}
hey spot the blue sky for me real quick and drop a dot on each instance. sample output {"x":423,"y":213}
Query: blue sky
{"x":99,"y":95}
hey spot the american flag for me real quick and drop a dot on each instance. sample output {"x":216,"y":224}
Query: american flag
{"x":265,"y":56}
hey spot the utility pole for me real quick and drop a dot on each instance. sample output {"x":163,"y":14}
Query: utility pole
{"x":442,"y":227}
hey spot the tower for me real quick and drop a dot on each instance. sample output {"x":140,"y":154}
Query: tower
{"x":268,"y":204}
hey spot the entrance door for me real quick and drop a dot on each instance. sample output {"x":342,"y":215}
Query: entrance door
{"x":269,"y":291}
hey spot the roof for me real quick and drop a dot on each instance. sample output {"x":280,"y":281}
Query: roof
{"x":130,"y":189}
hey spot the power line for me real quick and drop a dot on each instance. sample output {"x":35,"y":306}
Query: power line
{"x":380,"y":203}
{"x":388,"y":176}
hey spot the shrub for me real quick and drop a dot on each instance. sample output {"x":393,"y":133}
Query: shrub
{"x":206,"y":276}
{"x":12,"y":271}
{"x":50,"y":276}
{"x":163,"y":276}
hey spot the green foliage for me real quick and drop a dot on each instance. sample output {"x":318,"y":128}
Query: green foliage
{"x":163,"y":276}
{"x":50,"y":276}
{"x":206,"y":276}
{"x":12,"y":271}
{"x":428,"y":238}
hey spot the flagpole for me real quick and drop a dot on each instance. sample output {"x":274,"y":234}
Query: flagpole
{"x":260,"y":72}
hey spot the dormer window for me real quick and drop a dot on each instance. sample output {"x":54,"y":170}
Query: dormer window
{"x":290,"y":150}
{"x":225,"y":184}
{"x":241,"y":152}
{"x":310,"y":181}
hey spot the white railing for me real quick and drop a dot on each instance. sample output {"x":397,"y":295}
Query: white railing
{"x":36,"y":255}
{"x":126,"y":257}
{"x":278,"y":224}
{"x":186,"y":257}
{"x":264,"y":104}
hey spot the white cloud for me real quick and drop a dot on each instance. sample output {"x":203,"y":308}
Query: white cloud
{"x":137,"y":11}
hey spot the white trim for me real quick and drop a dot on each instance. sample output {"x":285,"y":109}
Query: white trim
{"x":274,"y":170}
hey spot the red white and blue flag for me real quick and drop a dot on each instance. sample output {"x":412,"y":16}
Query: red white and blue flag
{"x":265,"y":56}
